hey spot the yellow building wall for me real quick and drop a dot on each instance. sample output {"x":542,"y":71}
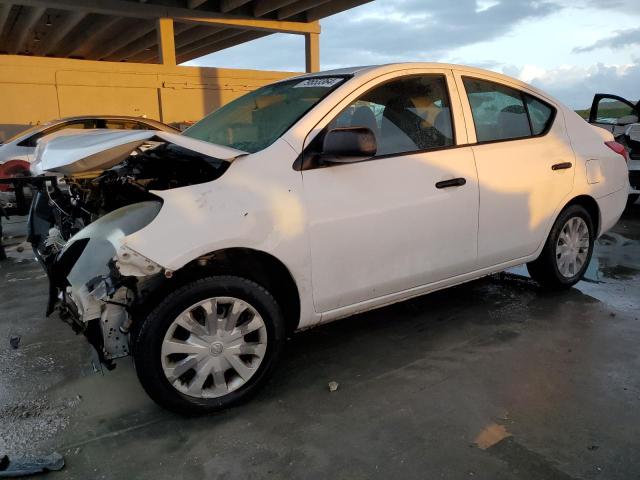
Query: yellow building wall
{"x":35,"y":89}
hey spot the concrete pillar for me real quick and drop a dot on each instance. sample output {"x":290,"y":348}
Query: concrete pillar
{"x":312,"y":52}
{"x":166,"y":41}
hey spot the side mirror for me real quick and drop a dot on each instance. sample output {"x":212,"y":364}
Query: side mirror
{"x":348,"y":145}
{"x":627,"y":119}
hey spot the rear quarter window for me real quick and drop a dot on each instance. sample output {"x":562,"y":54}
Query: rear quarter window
{"x":540,"y":113}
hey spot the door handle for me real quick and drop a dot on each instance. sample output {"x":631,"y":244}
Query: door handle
{"x":561,"y":166}
{"x":454,"y":182}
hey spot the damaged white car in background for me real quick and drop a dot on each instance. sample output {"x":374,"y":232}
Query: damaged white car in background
{"x":307,"y":201}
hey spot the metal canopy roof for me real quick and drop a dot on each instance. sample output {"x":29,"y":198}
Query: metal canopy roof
{"x":125,"y":30}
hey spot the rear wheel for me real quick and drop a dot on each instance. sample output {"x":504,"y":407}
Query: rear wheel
{"x":567,"y":252}
{"x":209,"y":345}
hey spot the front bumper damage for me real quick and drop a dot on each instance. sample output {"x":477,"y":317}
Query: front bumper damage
{"x":96,"y":279}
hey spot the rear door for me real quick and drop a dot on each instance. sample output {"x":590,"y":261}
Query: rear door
{"x":405,"y":218}
{"x":525,"y":166}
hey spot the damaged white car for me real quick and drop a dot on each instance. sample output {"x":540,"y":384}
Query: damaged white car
{"x":307,"y":201}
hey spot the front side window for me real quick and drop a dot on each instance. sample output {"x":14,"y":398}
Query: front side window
{"x":406,"y":115}
{"x":257,"y":119}
{"x":610,"y":110}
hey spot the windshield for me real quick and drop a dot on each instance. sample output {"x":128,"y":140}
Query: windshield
{"x":257,"y":119}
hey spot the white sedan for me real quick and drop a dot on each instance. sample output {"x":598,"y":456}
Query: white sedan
{"x":318,"y":197}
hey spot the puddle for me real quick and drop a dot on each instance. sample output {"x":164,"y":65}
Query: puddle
{"x":613,"y":275}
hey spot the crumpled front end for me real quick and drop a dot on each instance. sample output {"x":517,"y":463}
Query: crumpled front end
{"x":95,"y":279}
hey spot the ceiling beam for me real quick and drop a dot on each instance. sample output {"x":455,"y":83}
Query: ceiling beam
{"x":127,"y":34}
{"x":142,"y":10}
{"x":210,"y":41}
{"x":195,"y":3}
{"x":194,"y":34}
{"x":263,"y":7}
{"x":248,"y":23}
{"x":221,"y":45}
{"x":298,"y":7}
{"x":5,"y":8}
{"x":228,"y":5}
{"x":59,"y":32}
{"x":87,"y":36}
{"x":332,"y":8}
{"x":146,"y":45}
{"x":25,"y":28}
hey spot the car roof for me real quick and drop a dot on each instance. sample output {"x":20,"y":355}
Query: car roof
{"x":372,"y":71}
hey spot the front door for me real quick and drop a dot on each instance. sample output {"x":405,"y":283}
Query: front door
{"x":403,"y":219}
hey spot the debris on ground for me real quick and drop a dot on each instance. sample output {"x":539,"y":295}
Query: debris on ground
{"x":20,"y":467}
{"x":593,"y":447}
{"x":14,"y":341}
{"x":333,"y":386}
{"x":490,"y":435}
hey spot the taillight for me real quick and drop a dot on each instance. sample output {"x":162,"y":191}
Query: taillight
{"x":619,"y":149}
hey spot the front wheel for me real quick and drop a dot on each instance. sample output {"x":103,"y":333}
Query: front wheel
{"x":567,"y":252}
{"x":209,"y":345}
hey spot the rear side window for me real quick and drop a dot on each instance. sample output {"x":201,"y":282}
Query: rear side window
{"x":410,"y":114}
{"x":504,"y":113}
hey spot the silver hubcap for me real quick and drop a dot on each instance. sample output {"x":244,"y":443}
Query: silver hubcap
{"x":214,"y":347}
{"x":572,"y":247}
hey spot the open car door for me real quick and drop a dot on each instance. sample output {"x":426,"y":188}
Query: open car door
{"x":613,"y":113}
{"x":622,"y":118}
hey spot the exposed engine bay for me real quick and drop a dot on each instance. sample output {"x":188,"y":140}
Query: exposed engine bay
{"x":76,"y":226}
{"x":81,"y":199}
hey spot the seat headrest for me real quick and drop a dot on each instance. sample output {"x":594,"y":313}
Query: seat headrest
{"x":364,"y":117}
{"x":442,"y":123}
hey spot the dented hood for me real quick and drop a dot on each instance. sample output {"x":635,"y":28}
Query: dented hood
{"x":92,"y":150}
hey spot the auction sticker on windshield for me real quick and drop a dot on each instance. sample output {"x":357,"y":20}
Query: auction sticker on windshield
{"x":319,"y":82}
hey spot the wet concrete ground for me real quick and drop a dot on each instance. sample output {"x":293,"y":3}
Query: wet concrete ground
{"x":490,"y":380}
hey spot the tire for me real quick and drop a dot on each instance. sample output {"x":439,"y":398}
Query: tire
{"x":546,"y":269}
{"x":632,"y":200}
{"x":160,"y":334}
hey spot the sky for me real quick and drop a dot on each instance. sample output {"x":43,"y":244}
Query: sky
{"x":569,"y":48}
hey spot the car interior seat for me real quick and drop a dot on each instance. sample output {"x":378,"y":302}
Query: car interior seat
{"x":513,"y":122}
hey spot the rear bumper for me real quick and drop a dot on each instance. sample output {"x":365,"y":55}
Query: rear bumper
{"x":611,"y":208}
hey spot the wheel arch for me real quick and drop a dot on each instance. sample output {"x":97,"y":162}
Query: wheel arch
{"x":258,"y":266}
{"x":590,"y":205}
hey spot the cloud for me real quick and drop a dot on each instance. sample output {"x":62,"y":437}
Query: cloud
{"x":423,"y":29}
{"x":576,"y":86}
{"x":621,"y":39}
{"x":631,"y":7}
